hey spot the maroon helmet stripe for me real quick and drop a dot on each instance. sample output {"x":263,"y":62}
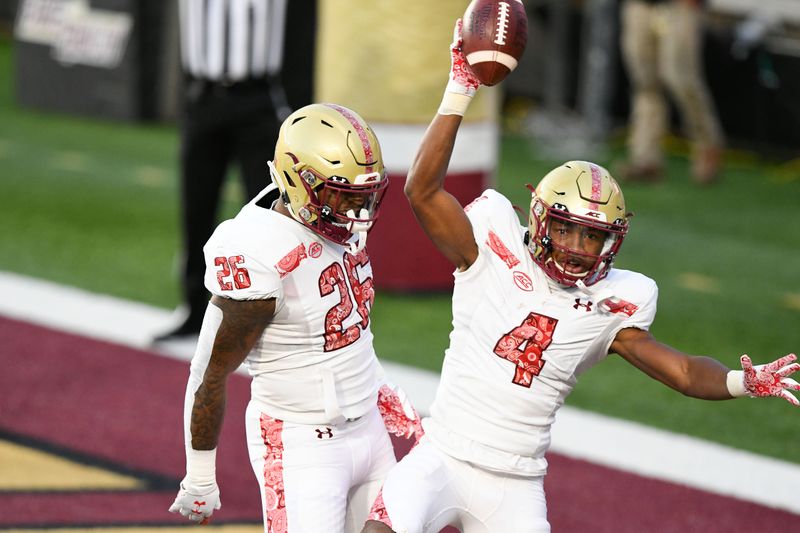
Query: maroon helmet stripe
{"x":596,"y":186}
{"x":360,"y":131}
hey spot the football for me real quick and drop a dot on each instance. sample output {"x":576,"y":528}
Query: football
{"x":494,"y":36}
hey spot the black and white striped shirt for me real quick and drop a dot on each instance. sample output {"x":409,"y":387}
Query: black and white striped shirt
{"x":232,"y":40}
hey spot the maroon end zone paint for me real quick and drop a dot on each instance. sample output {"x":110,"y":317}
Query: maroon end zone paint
{"x":123,"y":407}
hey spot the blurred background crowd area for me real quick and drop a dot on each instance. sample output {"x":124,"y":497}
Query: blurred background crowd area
{"x":571,"y":72}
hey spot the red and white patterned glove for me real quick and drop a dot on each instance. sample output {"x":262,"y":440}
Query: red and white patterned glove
{"x":770,"y":379}
{"x":462,"y":84}
{"x":399,"y":416}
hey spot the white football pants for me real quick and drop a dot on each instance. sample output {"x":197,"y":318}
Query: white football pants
{"x":429,"y":490}
{"x":317,"y":477}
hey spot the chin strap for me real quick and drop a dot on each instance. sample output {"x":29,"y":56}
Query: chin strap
{"x":359,"y":229}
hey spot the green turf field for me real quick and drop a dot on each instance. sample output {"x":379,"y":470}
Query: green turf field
{"x":94,"y":205}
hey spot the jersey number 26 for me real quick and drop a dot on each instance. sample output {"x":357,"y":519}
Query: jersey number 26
{"x":333,"y":278}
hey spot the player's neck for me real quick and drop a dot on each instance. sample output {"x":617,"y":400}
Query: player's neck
{"x":280,"y":207}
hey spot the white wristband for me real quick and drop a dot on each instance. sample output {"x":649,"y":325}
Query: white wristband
{"x":735,"y":382}
{"x":201,"y":468}
{"x":454,"y":104}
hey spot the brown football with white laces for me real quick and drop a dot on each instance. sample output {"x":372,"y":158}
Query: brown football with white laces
{"x":494,"y":35}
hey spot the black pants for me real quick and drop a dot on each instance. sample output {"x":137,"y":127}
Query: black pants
{"x":221,"y":125}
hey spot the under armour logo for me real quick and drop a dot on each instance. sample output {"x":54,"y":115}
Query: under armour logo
{"x":328,"y":433}
{"x":587,"y":305}
{"x":198,"y":505}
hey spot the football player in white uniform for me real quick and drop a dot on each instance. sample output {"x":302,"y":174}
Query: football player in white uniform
{"x":533,"y":307}
{"x":292,"y":292}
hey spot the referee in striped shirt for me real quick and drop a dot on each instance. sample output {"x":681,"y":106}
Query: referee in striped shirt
{"x":234,"y":103}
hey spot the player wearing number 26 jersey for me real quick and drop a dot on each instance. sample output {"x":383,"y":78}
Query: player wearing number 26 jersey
{"x":319,"y":339}
{"x":533,"y":307}
{"x":292,"y":292}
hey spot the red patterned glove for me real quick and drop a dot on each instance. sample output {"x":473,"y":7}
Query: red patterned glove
{"x":462,"y":84}
{"x":399,"y":416}
{"x":770,"y":379}
{"x":461,"y":76}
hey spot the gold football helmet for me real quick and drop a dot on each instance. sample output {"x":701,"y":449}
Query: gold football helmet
{"x":584,"y":196}
{"x":329,"y":170}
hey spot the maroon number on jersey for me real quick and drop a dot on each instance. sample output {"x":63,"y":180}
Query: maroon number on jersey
{"x":537,"y":331}
{"x":230,"y":267}
{"x":333,"y":277}
{"x":363,"y":292}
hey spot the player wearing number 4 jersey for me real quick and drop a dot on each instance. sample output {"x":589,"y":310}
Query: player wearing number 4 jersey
{"x":292,"y":293}
{"x":533,"y":307}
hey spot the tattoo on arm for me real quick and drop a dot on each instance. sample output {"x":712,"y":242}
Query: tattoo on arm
{"x":243,"y":322}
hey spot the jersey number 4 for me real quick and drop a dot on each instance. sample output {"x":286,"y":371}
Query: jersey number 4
{"x":333,"y":279}
{"x":536,"y":333}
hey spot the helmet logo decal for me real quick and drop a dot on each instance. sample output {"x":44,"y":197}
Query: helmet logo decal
{"x":596,"y":186}
{"x":499,"y":248}
{"x":360,"y":131}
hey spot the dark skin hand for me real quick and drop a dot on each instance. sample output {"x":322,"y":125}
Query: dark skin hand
{"x":243,"y":322}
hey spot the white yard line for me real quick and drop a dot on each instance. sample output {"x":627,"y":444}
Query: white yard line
{"x":580,"y":434}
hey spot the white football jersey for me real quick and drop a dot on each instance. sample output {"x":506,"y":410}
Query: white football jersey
{"x":518,"y":344}
{"x":315,"y":363}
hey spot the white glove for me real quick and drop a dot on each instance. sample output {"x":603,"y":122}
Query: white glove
{"x":198,"y":496}
{"x":462,"y":84}
{"x":765,"y":380}
{"x":195,"y":506}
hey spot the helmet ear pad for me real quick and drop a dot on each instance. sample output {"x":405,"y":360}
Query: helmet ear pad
{"x":326,"y":159}
{"x":582,"y":194}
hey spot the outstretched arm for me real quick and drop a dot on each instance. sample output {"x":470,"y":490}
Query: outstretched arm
{"x":241,"y":325}
{"x":705,"y":377}
{"x":696,"y":376}
{"x":438,"y":212}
